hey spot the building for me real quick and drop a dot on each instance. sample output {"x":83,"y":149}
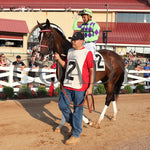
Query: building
{"x":127,"y":20}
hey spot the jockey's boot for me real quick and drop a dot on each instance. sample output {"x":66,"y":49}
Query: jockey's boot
{"x":72,"y":140}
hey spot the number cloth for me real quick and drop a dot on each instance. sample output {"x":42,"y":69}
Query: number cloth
{"x":77,"y":71}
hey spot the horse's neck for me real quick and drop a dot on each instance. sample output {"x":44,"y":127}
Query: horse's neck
{"x":61,"y":45}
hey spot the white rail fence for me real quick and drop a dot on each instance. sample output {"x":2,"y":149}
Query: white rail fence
{"x":44,"y":76}
{"x":132,"y":77}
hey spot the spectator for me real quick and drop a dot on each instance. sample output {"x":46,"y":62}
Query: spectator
{"x":138,"y":67}
{"x":134,"y":53}
{"x":29,"y":51}
{"x":3,"y":63}
{"x":130,"y":65}
{"x":146,"y":75}
{"x":33,"y":65}
{"x":18,"y":64}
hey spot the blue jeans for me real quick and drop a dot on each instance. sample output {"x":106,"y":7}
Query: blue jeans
{"x":75,"y":117}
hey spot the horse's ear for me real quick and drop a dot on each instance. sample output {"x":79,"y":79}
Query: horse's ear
{"x":47,"y":23}
{"x":40,"y":25}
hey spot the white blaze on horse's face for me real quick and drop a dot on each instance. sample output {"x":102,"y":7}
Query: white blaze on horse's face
{"x":41,"y":39}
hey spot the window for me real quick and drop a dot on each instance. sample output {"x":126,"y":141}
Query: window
{"x":11,"y":43}
{"x":133,"y":17}
{"x":148,"y":18}
{"x":11,"y":40}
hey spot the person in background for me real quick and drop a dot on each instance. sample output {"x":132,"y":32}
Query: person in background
{"x":33,"y":65}
{"x":29,"y":51}
{"x":3,"y":63}
{"x":146,"y":75}
{"x":89,"y":28}
{"x":18,"y":64}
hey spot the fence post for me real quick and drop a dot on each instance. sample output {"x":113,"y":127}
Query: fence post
{"x":11,"y":71}
{"x":126,"y":76}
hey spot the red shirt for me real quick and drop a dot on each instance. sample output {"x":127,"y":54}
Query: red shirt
{"x":88,"y":63}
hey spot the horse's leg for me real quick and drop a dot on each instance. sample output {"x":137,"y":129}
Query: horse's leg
{"x":62,"y":123}
{"x":85,"y":119}
{"x":110,"y":97}
{"x":115,"y":110}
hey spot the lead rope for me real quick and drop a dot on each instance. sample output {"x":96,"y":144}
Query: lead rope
{"x":85,"y":98}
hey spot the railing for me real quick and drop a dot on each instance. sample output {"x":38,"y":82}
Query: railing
{"x":132,"y":77}
{"x":25,"y":79}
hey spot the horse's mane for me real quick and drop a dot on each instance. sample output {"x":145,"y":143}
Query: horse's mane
{"x":58,"y":29}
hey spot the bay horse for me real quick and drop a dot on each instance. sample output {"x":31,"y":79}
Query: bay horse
{"x":53,"y":40}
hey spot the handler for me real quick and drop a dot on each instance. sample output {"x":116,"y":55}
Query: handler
{"x":78,"y":82}
{"x":89,"y":28}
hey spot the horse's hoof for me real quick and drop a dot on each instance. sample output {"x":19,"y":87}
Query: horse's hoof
{"x":98,"y":126}
{"x":57,"y":130}
{"x":91,"y":123}
{"x":113,"y":118}
{"x":94,"y":124}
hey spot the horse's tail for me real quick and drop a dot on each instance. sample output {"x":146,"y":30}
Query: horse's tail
{"x":118,"y":85}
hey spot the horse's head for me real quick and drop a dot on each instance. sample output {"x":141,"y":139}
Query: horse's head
{"x":52,"y":39}
{"x":46,"y":38}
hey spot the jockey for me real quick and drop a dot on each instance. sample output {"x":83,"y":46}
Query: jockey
{"x":89,"y":28}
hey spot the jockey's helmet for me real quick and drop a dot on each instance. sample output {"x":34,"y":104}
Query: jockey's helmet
{"x":85,"y":11}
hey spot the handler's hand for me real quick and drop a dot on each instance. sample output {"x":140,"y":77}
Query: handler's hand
{"x":88,"y":91}
{"x":56,"y":56}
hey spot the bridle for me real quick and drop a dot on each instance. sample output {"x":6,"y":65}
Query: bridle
{"x":52,"y":37}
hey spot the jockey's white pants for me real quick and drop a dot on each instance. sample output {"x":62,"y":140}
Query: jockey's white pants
{"x":92,"y":47}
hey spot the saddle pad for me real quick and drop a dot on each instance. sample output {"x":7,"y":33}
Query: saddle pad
{"x":99,"y":61}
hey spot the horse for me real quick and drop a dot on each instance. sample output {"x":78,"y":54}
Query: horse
{"x":53,"y":40}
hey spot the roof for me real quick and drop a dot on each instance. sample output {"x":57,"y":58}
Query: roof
{"x":77,"y":4}
{"x":17,"y":26}
{"x":126,"y":33}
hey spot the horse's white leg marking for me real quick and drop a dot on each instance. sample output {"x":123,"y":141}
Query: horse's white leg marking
{"x":115,"y":110}
{"x":86,"y":120}
{"x":102,"y":114}
{"x":62,"y":123}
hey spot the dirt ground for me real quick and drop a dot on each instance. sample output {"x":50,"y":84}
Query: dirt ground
{"x":30,"y":124}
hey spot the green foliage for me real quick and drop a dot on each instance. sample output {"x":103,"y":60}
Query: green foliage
{"x":100,"y":89}
{"x":9,"y":91}
{"x":128,"y":89}
{"x":140,"y":88}
{"x":57,"y":91}
{"x":24,"y":92}
{"x":42,"y":92}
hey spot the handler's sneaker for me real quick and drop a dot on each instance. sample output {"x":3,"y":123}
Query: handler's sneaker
{"x":72,"y":140}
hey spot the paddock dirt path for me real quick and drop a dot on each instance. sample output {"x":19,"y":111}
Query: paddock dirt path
{"x":30,"y":124}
